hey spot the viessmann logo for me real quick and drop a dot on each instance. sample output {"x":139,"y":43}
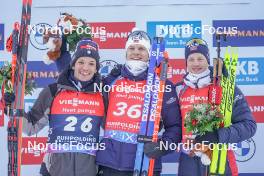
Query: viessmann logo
{"x":247,"y":32}
{"x":256,"y":104}
{"x":31,"y":155}
{"x":76,"y":102}
{"x":193,"y":99}
{"x":42,"y":74}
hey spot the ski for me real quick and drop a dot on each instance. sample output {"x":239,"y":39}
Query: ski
{"x":228,"y":87}
{"x":162,"y":72}
{"x":149,"y":107}
{"x":19,"y":60}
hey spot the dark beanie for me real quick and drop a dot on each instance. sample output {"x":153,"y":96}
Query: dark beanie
{"x":86,"y":48}
{"x":197,"y":45}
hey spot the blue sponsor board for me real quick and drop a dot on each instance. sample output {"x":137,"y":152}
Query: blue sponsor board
{"x":241,"y":32}
{"x":42,"y":74}
{"x":2,"y":37}
{"x":176,"y":33}
{"x":250,"y":71}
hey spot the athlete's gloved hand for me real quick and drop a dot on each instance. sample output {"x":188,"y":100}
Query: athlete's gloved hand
{"x":209,"y":137}
{"x":155,"y":150}
{"x":116,"y":71}
{"x":9,"y":98}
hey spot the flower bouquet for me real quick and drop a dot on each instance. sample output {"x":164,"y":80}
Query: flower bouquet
{"x":72,"y":30}
{"x":201,"y":119}
{"x":5,"y":77}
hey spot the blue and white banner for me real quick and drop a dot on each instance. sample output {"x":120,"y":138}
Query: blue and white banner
{"x":250,"y":71}
{"x":243,"y":33}
{"x":42,"y":74}
{"x":175,"y":33}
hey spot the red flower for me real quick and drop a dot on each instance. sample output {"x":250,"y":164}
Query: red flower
{"x":194,"y":122}
{"x":222,"y":124}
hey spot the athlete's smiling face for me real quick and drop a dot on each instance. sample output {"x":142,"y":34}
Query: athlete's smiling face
{"x":137,"y":52}
{"x":196,"y":63}
{"x":84,"y":68}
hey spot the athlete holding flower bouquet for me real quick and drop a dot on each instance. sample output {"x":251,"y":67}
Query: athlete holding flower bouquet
{"x":193,"y":92}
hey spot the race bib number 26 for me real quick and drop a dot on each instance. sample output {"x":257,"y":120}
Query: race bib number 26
{"x":86,"y":126}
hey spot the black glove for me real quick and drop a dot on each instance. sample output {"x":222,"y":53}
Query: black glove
{"x":116,"y":71}
{"x":209,"y":137}
{"x":43,"y":170}
{"x":9,"y":98}
{"x":153,"y":150}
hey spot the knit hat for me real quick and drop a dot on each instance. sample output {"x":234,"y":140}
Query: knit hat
{"x":139,"y":37}
{"x":86,"y":48}
{"x":197,"y":45}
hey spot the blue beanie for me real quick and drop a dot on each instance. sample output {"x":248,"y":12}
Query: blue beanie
{"x":197,"y":45}
{"x":86,"y":48}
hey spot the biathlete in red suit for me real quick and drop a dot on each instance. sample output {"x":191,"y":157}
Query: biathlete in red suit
{"x":73,"y":108}
{"x":194,"y":89}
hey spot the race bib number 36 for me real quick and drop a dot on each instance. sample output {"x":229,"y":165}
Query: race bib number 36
{"x":125,"y":108}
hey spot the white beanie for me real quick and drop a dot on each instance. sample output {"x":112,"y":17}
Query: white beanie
{"x":139,"y":37}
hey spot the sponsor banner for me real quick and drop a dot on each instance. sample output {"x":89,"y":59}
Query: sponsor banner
{"x":175,"y":33}
{"x":111,"y":35}
{"x":33,"y":150}
{"x":176,"y":70}
{"x":42,"y":74}
{"x":245,"y":151}
{"x":256,"y":104}
{"x":2,"y":37}
{"x":250,"y":152}
{"x":36,"y":35}
{"x":241,"y":32}
{"x":106,"y":66}
{"x":250,"y":71}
